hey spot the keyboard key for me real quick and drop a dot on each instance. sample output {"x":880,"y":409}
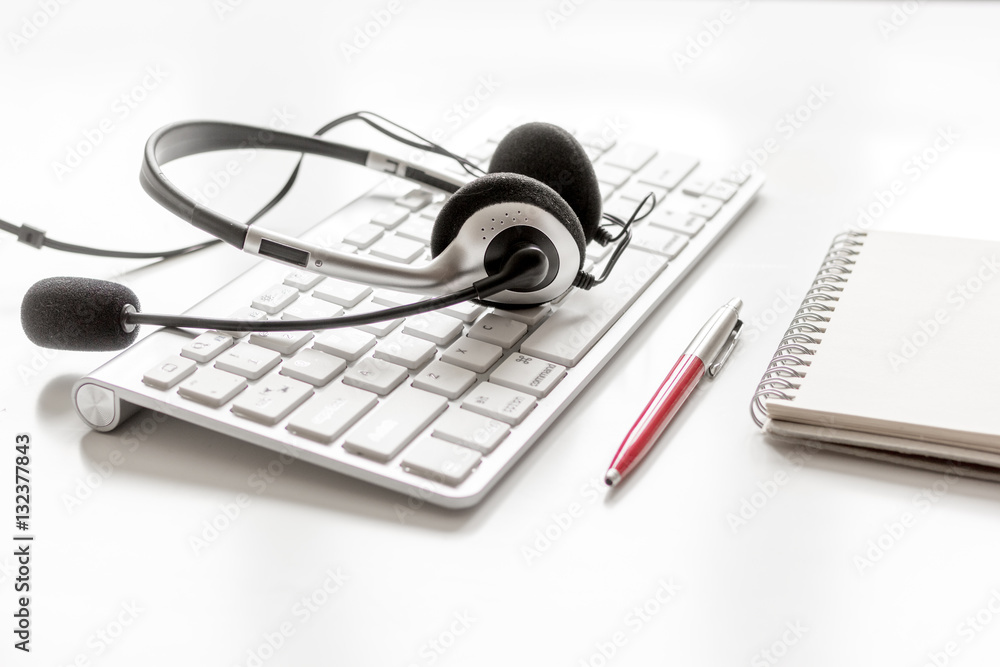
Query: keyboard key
{"x":737,"y":177}
{"x":696,"y":187}
{"x":445,"y":379}
{"x":677,"y":221}
{"x":207,"y":346}
{"x":721,"y":190}
{"x":312,"y":366}
{"x":330,"y":412}
{"x":663,"y":242}
{"x":612,"y":175}
{"x":311,"y":308}
{"x":584,"y":316}
{"x":375,"y":375}
{"x":502,"y":331}
{"x":492,"y":400}
{"x":606,"y":190}
{"x":706,"y":207}
{"x":596,"y":252}
{"x":703,"y":188}
{"x":274,"y":299}
{"x":381,"y":434}
{"x":668,"y":170}
{"x":341,"y":292}
{"x":391,"y":217}
{"x":284,"y":342}
{"x":467,"y":311}
{"x":364,"y":235}
{"x":391,"y":298}
{"x":431,"y":211}
{"x":271,"y":400}
{"x":246,"y":315}
{"x":415,"y":199}
{"x":405,"y":350}
{"x":534,"y":315}
{"x":250,"y":361}
{"x":440,"y":461}
{"x":629,"y":156}
{"x":602,"y":140}
{"x":528,"y":374}
{"x":622,"y":208}
{"x":397,"y":249}
{"x":636,"y":192}
{"x":467,"y":428}
{"x":212,"y":387}
{"x":169,"y":372}
{"x":475,"y":355}
{"x":417,"y":228}
{"x":346,"y":343}
{"x":438,"y":328}
{"x":303,"y":280}
{"x":376,"y":328}
{"x":328,"y":244}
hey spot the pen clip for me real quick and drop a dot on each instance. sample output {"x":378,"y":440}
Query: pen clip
{"x":727,"y":350}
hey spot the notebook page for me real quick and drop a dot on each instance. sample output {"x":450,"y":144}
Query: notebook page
{"x":913,"y":347}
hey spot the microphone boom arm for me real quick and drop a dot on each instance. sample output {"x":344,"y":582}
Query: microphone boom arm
{"x":526,"y":267}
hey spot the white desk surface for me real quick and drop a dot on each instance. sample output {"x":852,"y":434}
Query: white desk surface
{"x":847,"y":562}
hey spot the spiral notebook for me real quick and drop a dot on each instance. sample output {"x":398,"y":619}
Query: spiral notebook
{"x":894,"y":354}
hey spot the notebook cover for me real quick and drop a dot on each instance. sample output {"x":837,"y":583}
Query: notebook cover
{"x":913,"y":347}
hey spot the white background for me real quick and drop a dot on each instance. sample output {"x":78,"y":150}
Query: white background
{"x":486,"y":583}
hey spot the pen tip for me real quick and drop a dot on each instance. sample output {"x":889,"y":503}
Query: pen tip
{"x":735,"y":303}
{"x":612,"y":478}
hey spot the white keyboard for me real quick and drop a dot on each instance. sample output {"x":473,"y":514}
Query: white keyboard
{"x":439,"y":405}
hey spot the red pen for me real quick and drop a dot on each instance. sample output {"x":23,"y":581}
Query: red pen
{"x":705,"y":355}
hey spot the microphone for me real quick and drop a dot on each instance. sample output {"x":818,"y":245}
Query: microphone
{"x":78,"y":314}
{"x":85,"y":314}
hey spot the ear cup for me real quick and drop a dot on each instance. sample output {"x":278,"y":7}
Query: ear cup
{"x":497,"y":189}
{"x":552,"y":155}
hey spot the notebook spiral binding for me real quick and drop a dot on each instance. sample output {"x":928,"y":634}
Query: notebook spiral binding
{"x":805,"y":332}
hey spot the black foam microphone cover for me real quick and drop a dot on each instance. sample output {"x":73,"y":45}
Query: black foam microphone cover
{"x":78,"y":314}
{"x":552,"y":155}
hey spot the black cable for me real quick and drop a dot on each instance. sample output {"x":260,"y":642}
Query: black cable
{"x":37,"y":239}
{"x":125,"y":254}
{"x":525,"y":268}
{"x":615,"y":256}
{"x":586,"y":280}
{"x":626,"y":235}
{"x":307,"y":325}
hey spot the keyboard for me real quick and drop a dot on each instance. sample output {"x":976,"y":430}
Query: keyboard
{"x":440,"y":405}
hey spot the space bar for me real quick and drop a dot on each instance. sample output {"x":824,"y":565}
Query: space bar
{"x":584,"y":316}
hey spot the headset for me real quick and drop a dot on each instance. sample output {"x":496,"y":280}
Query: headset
{"x":513,"y":237}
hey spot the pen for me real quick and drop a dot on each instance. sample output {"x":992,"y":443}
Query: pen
{"x":705,"y":355}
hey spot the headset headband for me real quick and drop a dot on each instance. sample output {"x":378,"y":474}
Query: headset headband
{"x":458,"y":266}
{"x":194,"y":137}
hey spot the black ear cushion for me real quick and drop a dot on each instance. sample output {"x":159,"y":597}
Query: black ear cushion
{"x":553,"y":156}
{"x":497,"y":189}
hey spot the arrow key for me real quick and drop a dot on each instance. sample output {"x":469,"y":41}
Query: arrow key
{"x":272,"y":399}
